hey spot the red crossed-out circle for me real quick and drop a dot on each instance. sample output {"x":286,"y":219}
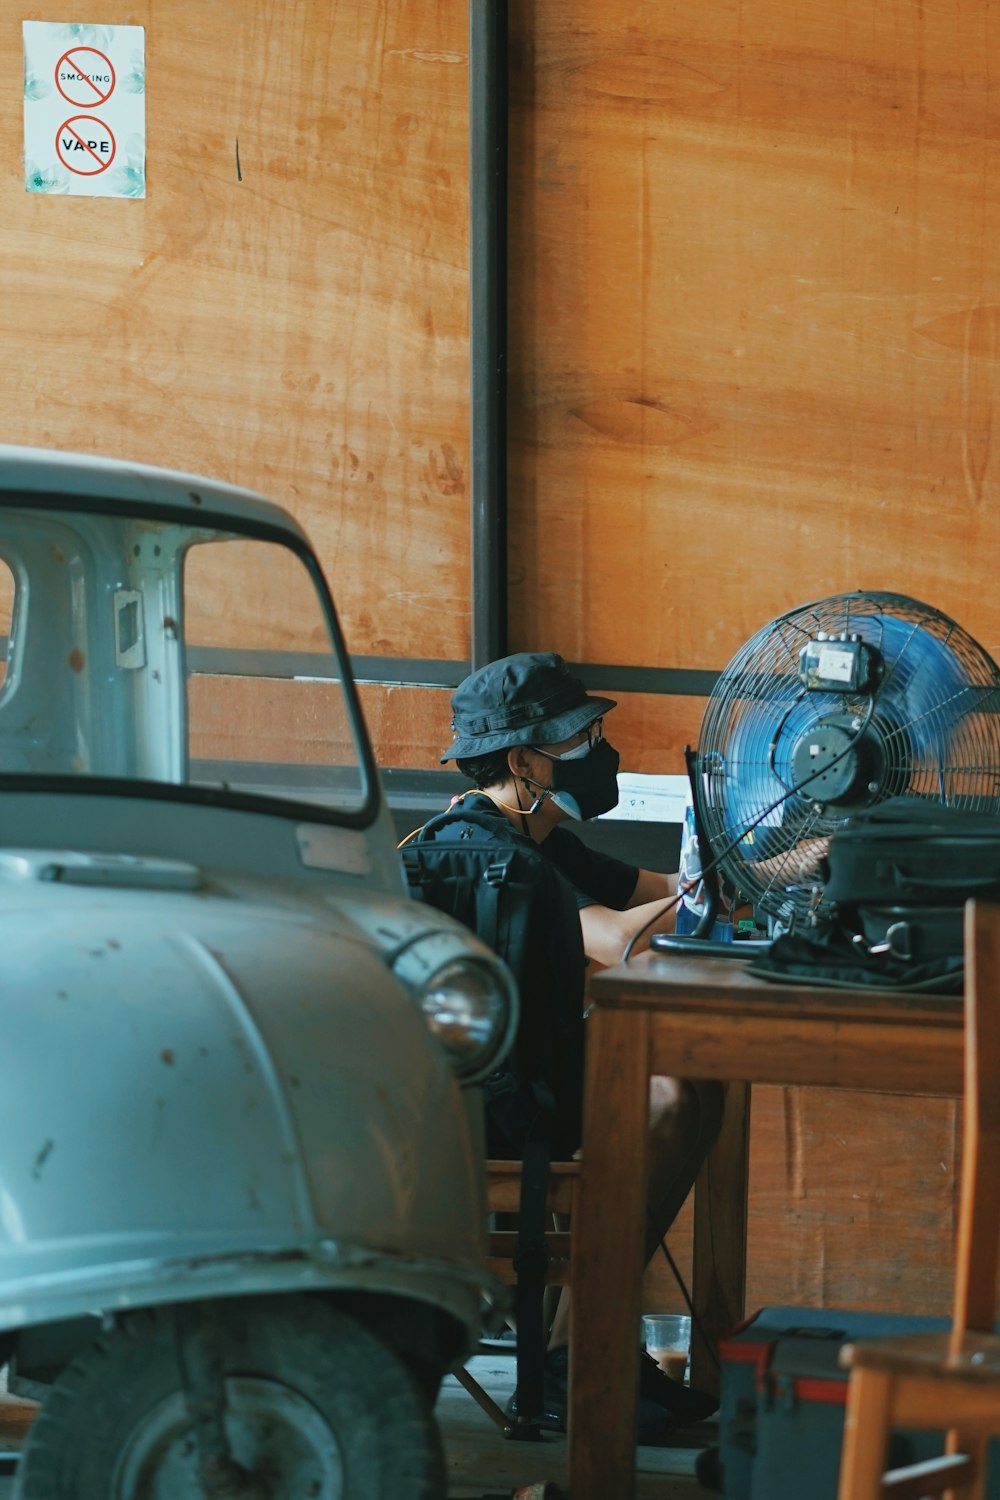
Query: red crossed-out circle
{"x":79,"y":155}
{"x":85,"y":92}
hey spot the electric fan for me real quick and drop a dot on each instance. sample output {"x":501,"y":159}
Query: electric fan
{"x":827,"y":710}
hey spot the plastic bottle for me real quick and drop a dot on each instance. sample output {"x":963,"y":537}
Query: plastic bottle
{"x":692,"y":902}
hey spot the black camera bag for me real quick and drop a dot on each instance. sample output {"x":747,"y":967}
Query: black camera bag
{"x":910,"y":853}
{"x":896,"y":879}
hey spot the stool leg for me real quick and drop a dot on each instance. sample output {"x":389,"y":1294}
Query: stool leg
{"x":866,"y":1435}
{"x":976,"y":1447}
{"x":483,"y":1399}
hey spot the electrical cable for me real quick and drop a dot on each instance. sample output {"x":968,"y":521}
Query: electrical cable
{"x":695,"y":1319}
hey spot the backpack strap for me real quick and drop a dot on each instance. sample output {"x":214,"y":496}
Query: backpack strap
{"x":531,"y":1259}
{"x":495,"y":877}
{"x":468,"y":823}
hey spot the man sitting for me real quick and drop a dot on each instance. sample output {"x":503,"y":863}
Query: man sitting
{"x":531,"y":739}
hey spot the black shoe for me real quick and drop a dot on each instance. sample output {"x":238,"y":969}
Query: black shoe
{"x":654,"y":1425}
{"x":555,"y":1381}
{"x":685,"y":1404}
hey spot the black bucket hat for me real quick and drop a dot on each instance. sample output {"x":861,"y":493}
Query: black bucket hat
{"x":526,"y":699}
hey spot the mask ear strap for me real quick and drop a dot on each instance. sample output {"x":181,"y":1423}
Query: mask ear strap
{"x":533,"y":808}
{"x":544,"y":792}
{"x":526,"y":812}
{"x":527,"y":783}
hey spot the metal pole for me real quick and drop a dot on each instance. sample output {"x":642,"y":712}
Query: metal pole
{"x":488,"y":326}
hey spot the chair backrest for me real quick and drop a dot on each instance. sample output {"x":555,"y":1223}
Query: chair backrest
{"x":978,"y":1245}
{"x":503,"y":1195}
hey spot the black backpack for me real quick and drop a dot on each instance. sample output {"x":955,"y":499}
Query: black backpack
{"x":478,"y":869}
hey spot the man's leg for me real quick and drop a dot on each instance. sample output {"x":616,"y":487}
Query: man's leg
{"x":684,"y":1121}
{"x":685,"y":1116}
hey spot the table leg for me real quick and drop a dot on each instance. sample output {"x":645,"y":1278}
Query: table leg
{"x":607,"y":1251}
{"x":718,"y":1283}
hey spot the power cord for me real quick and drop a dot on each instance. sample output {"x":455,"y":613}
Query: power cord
{"x":695,"y":1319}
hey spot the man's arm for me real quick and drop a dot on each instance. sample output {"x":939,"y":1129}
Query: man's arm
{"x":606,"y":932}
{"x":652,"y":886}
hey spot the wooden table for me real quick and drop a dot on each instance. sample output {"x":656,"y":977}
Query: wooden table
{"x":700,"y":1017}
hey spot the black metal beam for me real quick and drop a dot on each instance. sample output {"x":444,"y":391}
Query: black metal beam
{"x":488,"y":30}
{"x":431,"y":672}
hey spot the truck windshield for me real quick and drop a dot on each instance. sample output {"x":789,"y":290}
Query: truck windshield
{"x":148,"y":649}
{"x":266,"y":708}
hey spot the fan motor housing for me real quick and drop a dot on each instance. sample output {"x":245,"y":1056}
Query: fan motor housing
{"x":832,"y":764}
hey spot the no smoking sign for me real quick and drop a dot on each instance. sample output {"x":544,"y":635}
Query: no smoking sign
{"x":84,"y":109}
{"x":85,"y":77}
{"x":85,"y":145}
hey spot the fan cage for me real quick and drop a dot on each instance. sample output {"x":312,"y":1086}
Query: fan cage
{"x":927,"y":726}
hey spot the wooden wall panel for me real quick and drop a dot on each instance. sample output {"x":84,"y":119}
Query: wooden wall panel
{"x":301,"y":326}
{"x":277,"y":722}
{"x":756,"y":332}
{"x":853,"y":1203}
{"x":755,"y":360}
{"x":411,"y":725}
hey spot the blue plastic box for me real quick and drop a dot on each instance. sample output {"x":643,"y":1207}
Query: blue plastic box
{"x":783,"y":1394}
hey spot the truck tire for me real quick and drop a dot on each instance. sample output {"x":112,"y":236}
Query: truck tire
{"x":315,"y":1406}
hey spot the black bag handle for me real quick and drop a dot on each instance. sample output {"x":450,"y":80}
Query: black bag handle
{"x":971,"y":883}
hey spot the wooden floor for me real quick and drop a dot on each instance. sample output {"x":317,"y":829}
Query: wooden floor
{"x":16,"y":1417}
{"x":481,"y":1462}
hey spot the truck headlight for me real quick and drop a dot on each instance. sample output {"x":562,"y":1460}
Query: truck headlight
{"x":467,"y":1011}
{"x":468,"y":1002}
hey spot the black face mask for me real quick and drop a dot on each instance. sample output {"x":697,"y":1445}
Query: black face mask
{"x":588,"y":786}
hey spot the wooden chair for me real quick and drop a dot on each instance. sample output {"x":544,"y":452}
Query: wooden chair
{"x":503,"y":1192}
{"x":948,"y":1381}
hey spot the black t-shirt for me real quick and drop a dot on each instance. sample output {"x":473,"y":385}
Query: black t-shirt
{"x":597,"y":879}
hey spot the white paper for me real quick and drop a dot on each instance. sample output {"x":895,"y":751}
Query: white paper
{"x":651,"y":799}
{"x":84,"y":109}
{"x":834,"y":664}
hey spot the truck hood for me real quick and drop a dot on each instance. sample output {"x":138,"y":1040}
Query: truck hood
{"x":194,"y":1073}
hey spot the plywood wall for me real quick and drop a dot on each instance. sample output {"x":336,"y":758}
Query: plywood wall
{"x":294,"y":319}
{"x":853,"y":1204}
{"x":755,"y":340}
{"x":756,"y":326}
{"x":754,"y":312}
{"x":755,"y":330}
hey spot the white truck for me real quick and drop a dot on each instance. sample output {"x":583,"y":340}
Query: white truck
{"x":242,"y":1216}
